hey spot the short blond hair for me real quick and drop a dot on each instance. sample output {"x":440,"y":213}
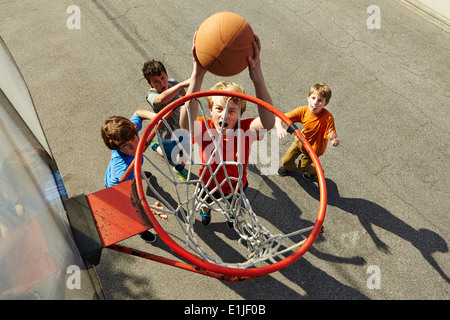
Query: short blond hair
{"x":322,"y":89}
{"x":228,"y":86}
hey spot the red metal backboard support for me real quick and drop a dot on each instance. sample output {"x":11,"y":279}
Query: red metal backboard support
{"x":117,"y":214}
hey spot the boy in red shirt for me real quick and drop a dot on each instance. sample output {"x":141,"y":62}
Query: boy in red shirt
{"x":318,"y":127}
{"x":252,"y":129}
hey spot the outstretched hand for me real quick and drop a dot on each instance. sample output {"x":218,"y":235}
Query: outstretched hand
{"x":197,"y":68}
{"x":282,"y":132}
{"x":333,"y":138}
{"x":160,"y":214}
{"x":254,"y":63}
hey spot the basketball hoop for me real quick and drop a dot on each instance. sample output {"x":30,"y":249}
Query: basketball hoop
{"x":263,"y":251}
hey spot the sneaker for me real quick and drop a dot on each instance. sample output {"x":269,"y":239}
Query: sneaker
{"x":230,"y":224}
{"x":308,"y":177}
{"x":154,"y":145}
{"x":182,"y":174}
{"x":148,"y":237}
{"x":282,"y":172}
{"x":206,"y":217}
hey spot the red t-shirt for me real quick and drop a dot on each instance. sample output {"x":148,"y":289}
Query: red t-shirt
{"x":224,"y":161}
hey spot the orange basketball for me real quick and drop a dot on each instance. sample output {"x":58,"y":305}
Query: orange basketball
{"x":223,"y":43}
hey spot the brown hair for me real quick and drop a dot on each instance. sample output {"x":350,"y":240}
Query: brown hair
{"x":116,"y":131}
{"x":153,"y":68}
{"x":321,"y":89}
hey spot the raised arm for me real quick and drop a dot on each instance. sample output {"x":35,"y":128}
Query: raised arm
{"x":145,"y":114}
{"x":196,"y":80}
{"x":168,"y":94}
{"x":266,"y":119}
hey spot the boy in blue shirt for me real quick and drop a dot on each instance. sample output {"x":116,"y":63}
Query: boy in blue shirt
{"x":121,"y":136}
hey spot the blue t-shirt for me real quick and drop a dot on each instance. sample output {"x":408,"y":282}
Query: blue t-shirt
{"x":120,"y":161}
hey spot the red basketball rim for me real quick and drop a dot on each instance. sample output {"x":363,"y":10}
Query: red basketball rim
{"x":228,"y":271}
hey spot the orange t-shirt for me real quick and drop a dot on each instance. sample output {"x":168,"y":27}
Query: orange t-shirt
{"x":229,"y":148}
{"x":315,"y":127}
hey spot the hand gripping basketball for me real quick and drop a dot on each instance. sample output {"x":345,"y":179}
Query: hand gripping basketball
{"x":223,"y":43}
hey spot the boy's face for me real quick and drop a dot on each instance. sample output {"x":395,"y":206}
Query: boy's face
{"x":129,"y":147}
{"x":219,"y":117}
{"x":160,"y":83}
{"x":316,"y":103}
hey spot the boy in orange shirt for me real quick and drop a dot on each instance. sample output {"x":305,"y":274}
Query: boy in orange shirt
{"x":318,"y":127}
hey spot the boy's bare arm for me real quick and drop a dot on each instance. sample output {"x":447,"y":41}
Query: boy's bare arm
{"x":168,"y":94}
{"x":195,"y":84}
{"x":145,"y":114}
{"x":266,"y":118}
{"x":334,"y":138}
{"x":282,"y":132}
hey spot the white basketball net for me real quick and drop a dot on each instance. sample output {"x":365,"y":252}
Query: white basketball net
{"x":183,"y":205}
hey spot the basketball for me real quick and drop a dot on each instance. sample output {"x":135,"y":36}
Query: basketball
{"x":223,"y":43}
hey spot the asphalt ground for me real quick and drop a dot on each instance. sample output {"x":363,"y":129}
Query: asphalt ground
{"x":388,"y":182}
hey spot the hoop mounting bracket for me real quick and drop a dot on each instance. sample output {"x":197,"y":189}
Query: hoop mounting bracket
{"x":292,"y":127}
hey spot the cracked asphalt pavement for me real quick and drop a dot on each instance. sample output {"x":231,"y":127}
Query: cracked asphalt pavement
{"x":388,"y":182}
